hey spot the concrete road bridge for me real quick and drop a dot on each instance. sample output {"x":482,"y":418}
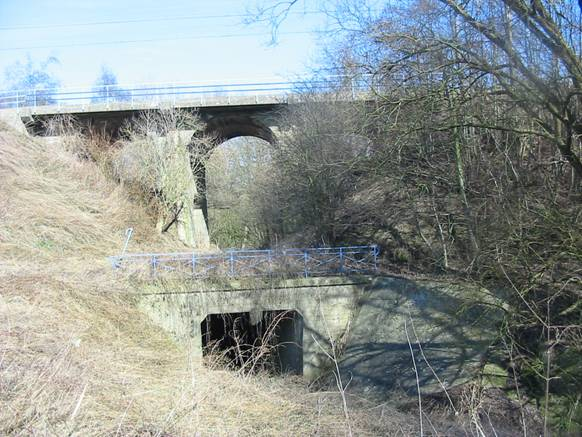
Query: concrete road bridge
{"x":361,"y":320}
{"x":231,"y":109}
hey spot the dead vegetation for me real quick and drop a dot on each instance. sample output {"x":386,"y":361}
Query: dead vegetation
{"x":76,"y":356}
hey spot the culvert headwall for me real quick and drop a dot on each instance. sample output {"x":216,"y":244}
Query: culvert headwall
{"x":323,"y":310}
{"x":374,"y":322}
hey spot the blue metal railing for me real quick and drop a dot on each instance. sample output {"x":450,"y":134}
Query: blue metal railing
{"x":308,"y":262}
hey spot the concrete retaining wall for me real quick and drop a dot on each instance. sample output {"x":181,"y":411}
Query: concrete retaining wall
{"x":448,"y":326}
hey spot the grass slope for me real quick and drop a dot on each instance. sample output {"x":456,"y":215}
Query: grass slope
{"x":76,"y":356}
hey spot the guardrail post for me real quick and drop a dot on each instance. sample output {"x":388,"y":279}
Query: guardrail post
{"x":305,"y":257}
{"x":154,"y":264}
{"x":341,"y":257}
{"x":231,"y":263}
{"x":115,"y":262}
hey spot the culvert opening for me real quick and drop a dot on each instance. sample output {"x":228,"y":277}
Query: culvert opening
{"x":256,"y":341}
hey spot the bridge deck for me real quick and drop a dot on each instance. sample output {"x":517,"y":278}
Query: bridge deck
{"x":230,"y":101}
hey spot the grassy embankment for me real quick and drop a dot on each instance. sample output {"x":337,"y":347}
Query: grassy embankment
{"x":77,"y":357}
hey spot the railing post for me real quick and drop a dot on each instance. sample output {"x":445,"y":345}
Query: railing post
{"x":154,"y":264}
{"x":115,"y":262}
{"x":341,"y":256}
{"x":270,"y":262}
{"x":231,"y":263}
{"x":305,"y":256}
{"x":375,"y":251}
{"x":193,"y":264}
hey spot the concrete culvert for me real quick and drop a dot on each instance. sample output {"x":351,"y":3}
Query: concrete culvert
{"x":253,"y":341}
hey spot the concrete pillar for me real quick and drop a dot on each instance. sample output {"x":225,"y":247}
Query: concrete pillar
{"x":12,"y":119}
{"x":192,"y":228}
{"x":191,"y":223}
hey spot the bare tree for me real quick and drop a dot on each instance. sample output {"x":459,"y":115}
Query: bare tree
{"x":314,"y":167}
{"x":34,"y":81}
{"x":106,"y":87}
{"x":475,"y":109}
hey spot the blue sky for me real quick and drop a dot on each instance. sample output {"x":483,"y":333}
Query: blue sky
{"x":187,"y":41}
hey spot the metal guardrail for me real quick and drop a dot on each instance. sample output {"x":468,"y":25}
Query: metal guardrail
{"x":171,"y":93}
{"x":324,"y":261}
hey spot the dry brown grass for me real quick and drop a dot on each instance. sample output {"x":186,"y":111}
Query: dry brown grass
{"x":76,"y":356}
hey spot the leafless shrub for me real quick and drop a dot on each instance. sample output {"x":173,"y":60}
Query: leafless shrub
{"x":156,"y":157}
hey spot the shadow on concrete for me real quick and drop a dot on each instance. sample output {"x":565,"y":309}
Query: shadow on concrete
{"x":452,"y":324}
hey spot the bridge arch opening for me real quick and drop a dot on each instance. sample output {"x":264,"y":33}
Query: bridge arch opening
{"x":257,"y":340}
{"x":243,"y":140}
{"x":233,"y":177}
{"x":227,"y":127}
